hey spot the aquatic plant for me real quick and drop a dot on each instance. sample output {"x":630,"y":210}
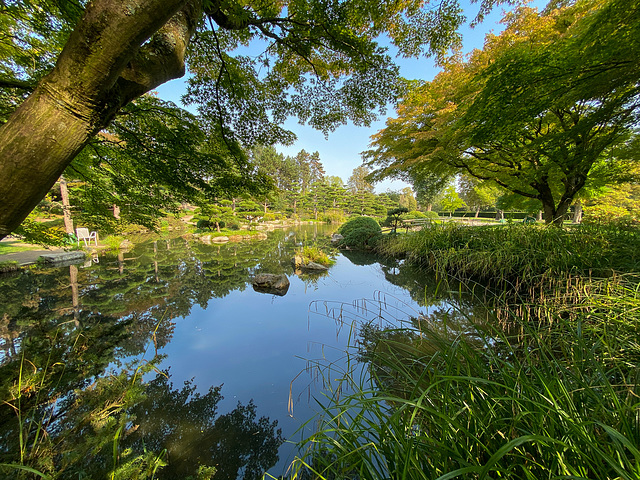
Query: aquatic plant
{"x":114,"y":242}
{"x":435,"y":403}
{"x":313,"y":253}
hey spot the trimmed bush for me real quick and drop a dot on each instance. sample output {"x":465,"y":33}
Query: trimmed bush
{"x":360,"y":232}
{"x":204,"y":224}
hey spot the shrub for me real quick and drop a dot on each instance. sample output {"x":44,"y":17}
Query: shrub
{"x":604,"y":213}
{"x":202,"y":224}
{"x":360,"y":232}
{"x":417,"y":214}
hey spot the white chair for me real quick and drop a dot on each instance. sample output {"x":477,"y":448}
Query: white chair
{"x":84,"y":235}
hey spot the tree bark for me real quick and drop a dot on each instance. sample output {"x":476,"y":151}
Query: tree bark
{"x":66,"y":206}
{"x":116,"y":53}
{"x":577,"y":213}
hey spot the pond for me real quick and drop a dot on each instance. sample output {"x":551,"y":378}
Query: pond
{"x":167,"y":347}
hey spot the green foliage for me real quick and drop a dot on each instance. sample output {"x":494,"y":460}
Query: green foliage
{"x":8,"y":266}
{"x":114,"y":242}
{"x":32,"y":231}
{"x":521,"y":256}
{"x":556,"y":140}
{"x":334,"y":216}
{"x":416,"y":214}
{"x":394,"y":216}
{"x":450,"y":201}
{"x":558,"y":401}
{"x":360,"y":232}
{"x":156,"y":157}
{"x":359,"y":182}
{"x":204,"y":224}
{"x":312,"y":253}
{"x":605,"y":213}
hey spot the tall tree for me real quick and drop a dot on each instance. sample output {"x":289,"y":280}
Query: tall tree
{"x":450,"y":201}
{"x":358,"y":182}
{"x":407,"y":200}
{"x":478,"y":194}
{"x":309,"y":169}
{"x":321,"y":60}
{"x":535,"y":112}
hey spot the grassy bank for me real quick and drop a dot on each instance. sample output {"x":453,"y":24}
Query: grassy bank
{"x":520,"y":253}
{"x":553,"y":392}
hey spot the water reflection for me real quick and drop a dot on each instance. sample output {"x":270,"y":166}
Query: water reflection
{"x":185,"y":424}
{"x":81,"y":334}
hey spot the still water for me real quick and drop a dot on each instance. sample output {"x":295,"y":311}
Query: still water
{"x":229,"y":375}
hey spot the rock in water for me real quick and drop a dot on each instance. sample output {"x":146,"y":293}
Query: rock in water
{"x":316,"y":267}
{"x":297,"y":261}
{"x":271,"y":283}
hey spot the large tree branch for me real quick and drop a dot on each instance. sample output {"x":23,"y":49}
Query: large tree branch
{"x":107,"y":39}
{"x":84,"y":91}
{"x":162,"y":58}
{"x":17,"y":84}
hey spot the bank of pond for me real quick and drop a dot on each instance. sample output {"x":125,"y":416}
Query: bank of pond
{"x":455,"y":352}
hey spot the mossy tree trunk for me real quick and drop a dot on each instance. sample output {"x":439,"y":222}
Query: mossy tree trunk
{"x":118,"y":51}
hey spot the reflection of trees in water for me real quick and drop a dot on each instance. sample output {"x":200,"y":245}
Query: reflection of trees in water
{"x":359,"y":257}
{"x":392,"y":336}
{"x":62,"y":415}
{"x":152,"y":284}
{"x":447,"y":298}
{"x":65,"y":326}
{"x":185,"y":423}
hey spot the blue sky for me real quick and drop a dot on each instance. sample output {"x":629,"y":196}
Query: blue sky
{"x":340,"y":152}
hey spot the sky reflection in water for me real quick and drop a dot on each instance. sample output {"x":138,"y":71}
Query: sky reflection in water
{"x":213,"y":329}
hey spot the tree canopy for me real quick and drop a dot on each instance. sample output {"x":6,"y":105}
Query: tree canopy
{"x":69,"y":68}
{"x":544,"y":109}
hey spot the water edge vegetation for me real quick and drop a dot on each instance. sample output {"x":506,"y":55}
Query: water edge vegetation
{"x":546,"y":386}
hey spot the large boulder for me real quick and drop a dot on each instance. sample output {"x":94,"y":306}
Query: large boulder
{"x":336,"y":238}
{"x":271,"y":283}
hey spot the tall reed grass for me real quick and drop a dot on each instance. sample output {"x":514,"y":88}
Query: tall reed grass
{"x":545,"y":385}
{"x":520,"y":254}
{"x":561,"y":401}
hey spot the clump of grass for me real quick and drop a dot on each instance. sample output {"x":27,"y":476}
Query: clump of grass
{"x":114,"y":242}
{"x":554,"y":402}
{"x":315,"y":254}
{"x":9,"y":266}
